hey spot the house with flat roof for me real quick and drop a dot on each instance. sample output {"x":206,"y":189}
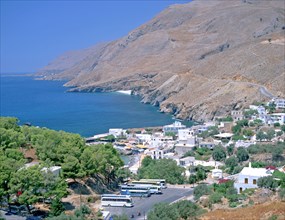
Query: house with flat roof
{"x":247,"y":178}
{"x":177,"y":125}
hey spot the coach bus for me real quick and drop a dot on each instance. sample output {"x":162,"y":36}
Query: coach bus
{"x":116,"y":200}
{"x":134,"y":190}
{"x":157,"y":182}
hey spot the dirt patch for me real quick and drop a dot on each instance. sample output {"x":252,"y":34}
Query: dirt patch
{"x":30,"y":154}
{"x":258,"y":212}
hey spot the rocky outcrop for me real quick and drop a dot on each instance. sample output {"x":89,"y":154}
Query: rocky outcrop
{"x":197,"y":60}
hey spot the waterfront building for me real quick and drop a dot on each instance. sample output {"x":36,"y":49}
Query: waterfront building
{"x":173,"y":127}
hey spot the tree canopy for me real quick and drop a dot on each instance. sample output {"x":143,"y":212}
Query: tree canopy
{"x":161,"y":169}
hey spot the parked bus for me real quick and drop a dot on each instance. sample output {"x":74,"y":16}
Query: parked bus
{"x":154,"y":189}
{"x":134,"y":190}
{"x":116,"y":200}
{"x":157,"y":182}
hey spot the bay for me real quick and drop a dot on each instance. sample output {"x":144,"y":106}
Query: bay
{"x":47,"y":104}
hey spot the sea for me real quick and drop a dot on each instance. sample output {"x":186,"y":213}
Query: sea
{"x":48,"y":104}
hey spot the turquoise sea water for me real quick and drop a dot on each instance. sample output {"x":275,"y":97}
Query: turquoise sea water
{"x":47,"y":104}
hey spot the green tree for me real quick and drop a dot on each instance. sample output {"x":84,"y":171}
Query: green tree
{"x":276,"y":125}
{"x":248,"y":132}
{"x":232,"y":162}
{"x":283,"y":128}
{"x":163,"y":211}
{"x":56,"y":207}
{"x":249,"y":113}
{"x":261,"y":136}
{"x":162,"y":169}
{"x":219,"y":153}
{"x":267,"y":182}
{"x":230,"y":149}
{"x":270,"y":134}
{"x":28,"y":184}
{"x":242,"y":154}
{"x":277,"y":154}
{"x":82,"y":211}
{"x":192,"y":179}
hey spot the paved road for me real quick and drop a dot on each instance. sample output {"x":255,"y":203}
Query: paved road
{"x":144,"y":205}
{"x":11,"y":217}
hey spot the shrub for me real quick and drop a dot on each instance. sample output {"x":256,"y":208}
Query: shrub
{"x":216,"y":198}
{"x":282,"y":194}
{"x":201,"y":190}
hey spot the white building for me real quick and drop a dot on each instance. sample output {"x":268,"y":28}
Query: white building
{"x":187,"y":161}
{"x":155,"y":154}
{"x":143,"y":138}
{"x":280,"y":103}
{"x":217,"y":173}
{"x":55,"y":170}
{"x":247,"y":178}
{"x":159,"y":140}
{"x":117,"y":132}
{"x":173,"y":127}
{"x":237,"y":115}
{"x":277,"y":118}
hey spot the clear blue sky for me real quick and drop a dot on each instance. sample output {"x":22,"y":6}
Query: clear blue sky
{"x":35,"y":32}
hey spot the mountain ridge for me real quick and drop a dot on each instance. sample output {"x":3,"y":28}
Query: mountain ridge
{"x":197,"y":60}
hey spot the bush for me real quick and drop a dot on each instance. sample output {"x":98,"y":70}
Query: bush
{"x":201,"y":190}
{"x":219,"y":153}
{"x":216,"y":198}
{"x":267,"y":182}
{"x":242,"y":154}
{"x":282,"y":194}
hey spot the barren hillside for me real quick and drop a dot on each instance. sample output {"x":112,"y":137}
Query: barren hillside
{"x":197,"y":60}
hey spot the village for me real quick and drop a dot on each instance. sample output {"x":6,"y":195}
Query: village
{"x":259,"y":124}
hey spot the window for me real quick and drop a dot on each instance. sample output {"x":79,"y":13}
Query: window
{"x":240,"y":190}
{"x":246,"y":180}
{"x":254,"y":181}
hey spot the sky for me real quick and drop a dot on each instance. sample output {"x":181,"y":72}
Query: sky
{"x":35,"y":32}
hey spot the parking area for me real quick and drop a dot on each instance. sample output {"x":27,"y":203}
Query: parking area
{"x":144,"y":205}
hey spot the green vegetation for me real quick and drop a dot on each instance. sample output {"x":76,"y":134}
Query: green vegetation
{"x":210,"y":132}
{"x":52,"y":148}
{"x":200,"y":174}
{"x":161,"y":169}
{"x":242,"y":154}
{"x":267,"y":182}
{"x":180,"y":210}
{"x":219,"y":153}
{"x":226,"y":119}
{"x":201,"y":190}
{"x":249,"y":113}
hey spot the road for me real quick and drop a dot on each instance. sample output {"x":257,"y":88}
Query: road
{"x":11,"y":217}
{"x":144,"y":205}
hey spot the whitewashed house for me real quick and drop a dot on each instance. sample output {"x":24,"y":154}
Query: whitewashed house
{"x":280,"y":103}
{"x":173,"y":127}
{"x":247,"y":178}
{"x":159,"y":140}
{"x":277,"y":118}
{"x":187,"y":161}
{"x":217,"y":173}
{"x":117,"y":132}
{"x":237,"y":115}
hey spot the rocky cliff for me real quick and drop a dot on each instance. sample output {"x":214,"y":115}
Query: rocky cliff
{"x":197,"y":60}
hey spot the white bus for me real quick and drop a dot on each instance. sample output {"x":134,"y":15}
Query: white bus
{"x":116,"y":200}
{"x":134,"y":190}
{"x":154,"y":189}
{"x":157,"y":182}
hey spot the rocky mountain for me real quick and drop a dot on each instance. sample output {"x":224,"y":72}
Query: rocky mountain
{"x":197,"y":60}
